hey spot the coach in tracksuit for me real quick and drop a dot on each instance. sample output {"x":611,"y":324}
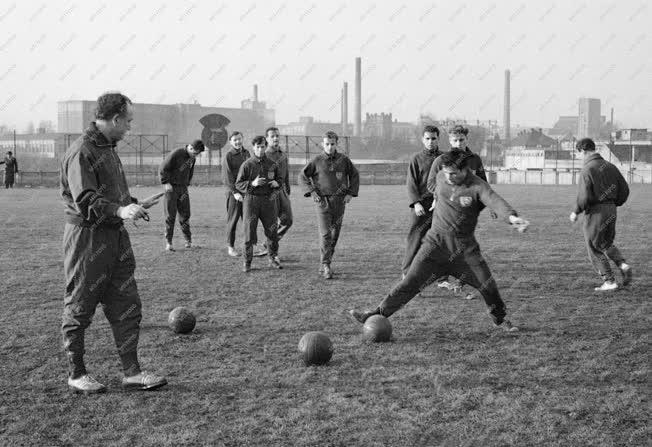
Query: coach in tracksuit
{"x":601,"y":189}
{"x":276,"y":154}
{"x":257,"y":180}
{"x":420,"y":199}
{"x":450,"y":247}
{"x":98,"y":261}
{"x":233,"y":159}
{"x":176,"y":173}
{"x":332,"y":180}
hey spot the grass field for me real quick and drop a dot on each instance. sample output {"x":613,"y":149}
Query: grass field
{"x":577,"y":374}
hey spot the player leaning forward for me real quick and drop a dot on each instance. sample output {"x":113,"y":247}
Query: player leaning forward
{"x":601,"y":189}
{"x":98,"y":260}
{"x":176,"y":173}
{"x":450,"y":247}
{"x":332,"y":180}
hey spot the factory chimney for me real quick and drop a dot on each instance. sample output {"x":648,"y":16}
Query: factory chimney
{"x":506,"y":117}
{"x":357,"y":124}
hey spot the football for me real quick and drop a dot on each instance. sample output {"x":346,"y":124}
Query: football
{"x":377,"y":329}
{"x":181,"y":320}
{"x":315,"y":348}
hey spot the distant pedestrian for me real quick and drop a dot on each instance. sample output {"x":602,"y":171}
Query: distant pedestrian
{"x":176,"y":173}
{"x":601,"y":189}
{"x":11,"y":169}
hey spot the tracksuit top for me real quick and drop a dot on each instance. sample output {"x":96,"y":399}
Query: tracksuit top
{"x":417,"y":176}
{"x":92,"y":182}
{"x":177,"y":168}
{"x":279,"y":157}
{"x":255,"y":167}
{"x":458,"y":206}
{"x":600,"y":182}
{"x":233,"y":159}
{"x":333,"y":175}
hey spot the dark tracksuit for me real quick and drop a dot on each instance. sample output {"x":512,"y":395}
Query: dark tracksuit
{"x":177,"y":169}
{"x":260,"y":202}
{"x":11,"y":168}
{"x":284,"y":205}
{"x":233,"y":159}
{"x":98,"y":260}
{"x":417,"y":188}
{"x":450,"y":247}
{"x":601,"y":189}
{"x":332,"y":178}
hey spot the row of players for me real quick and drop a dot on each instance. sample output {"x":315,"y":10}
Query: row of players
{"x":445,"y":194}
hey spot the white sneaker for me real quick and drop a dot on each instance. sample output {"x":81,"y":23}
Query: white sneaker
{"x":143,"y":381}
{"x":506,"y":326}
{"x":188,"y":244}
{"x":85,"y":384}
{"x":169,"y":247}
{"x":626,"y":271}
{"x":259,"y":251}
{"x":608,"y":286}
{"x":233,"y":252}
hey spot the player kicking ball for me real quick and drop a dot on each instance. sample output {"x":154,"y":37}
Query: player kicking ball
{"x":450,"y":247}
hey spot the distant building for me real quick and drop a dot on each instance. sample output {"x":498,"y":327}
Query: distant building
{"x":377,"y":125}
{"x":180,"y":123}
{"x":589,"y":120}
{"x":565,"y":125}
{"x":528,"y":150}
{"x":41,"y":145}
{"x":307,"y":126}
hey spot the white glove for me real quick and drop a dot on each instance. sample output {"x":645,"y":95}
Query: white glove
{"x":519,"y":223}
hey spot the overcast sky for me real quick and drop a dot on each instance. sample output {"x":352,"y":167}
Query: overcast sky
{"x":446,"y":58}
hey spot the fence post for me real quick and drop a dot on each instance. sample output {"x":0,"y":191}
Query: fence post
{"x":307,"y":149}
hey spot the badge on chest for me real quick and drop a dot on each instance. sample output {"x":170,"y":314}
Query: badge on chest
{"x":466,"y":201}
{"x":270,"y":175}
{"x":339,"y":175}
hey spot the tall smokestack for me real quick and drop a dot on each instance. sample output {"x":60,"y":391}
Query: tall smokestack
{"x":255,"y":93}
{"x":357,"y":124}
{"x":507,"y":123}
{"x":612,"y":118}
{"x":345,"y":108}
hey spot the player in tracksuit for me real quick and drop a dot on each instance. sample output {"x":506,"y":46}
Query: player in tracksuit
{"x":276,"y":154}
{"x":601,"y":189}
{"x":98,"y":260}
{"x":258,"y":180}
{"x":176,"y":173}
{"x":458,"y":138}
{"x":450,"y":247}
{"x":233,"y":159}
{"x":332,"y":180}
{"x":420,"y":199}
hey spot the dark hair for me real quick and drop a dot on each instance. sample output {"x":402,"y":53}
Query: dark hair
{"x":270,"y":129}
{"x":10,"y":153}
{"x":259,"y":140}
{"x":110,"y":105}
{"x":331,"y":135}
{"x":198,"y":145}
{"x":459,"y":130}
{"x":585,"y":144}
{"x":430,"y":129}
{"x":235,"y":134}
{"x":457,"y":159}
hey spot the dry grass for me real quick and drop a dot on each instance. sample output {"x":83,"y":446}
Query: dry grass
{"x":578,"y":373}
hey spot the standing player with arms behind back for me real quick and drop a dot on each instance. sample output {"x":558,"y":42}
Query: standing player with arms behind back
{"x":601,"y":189}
